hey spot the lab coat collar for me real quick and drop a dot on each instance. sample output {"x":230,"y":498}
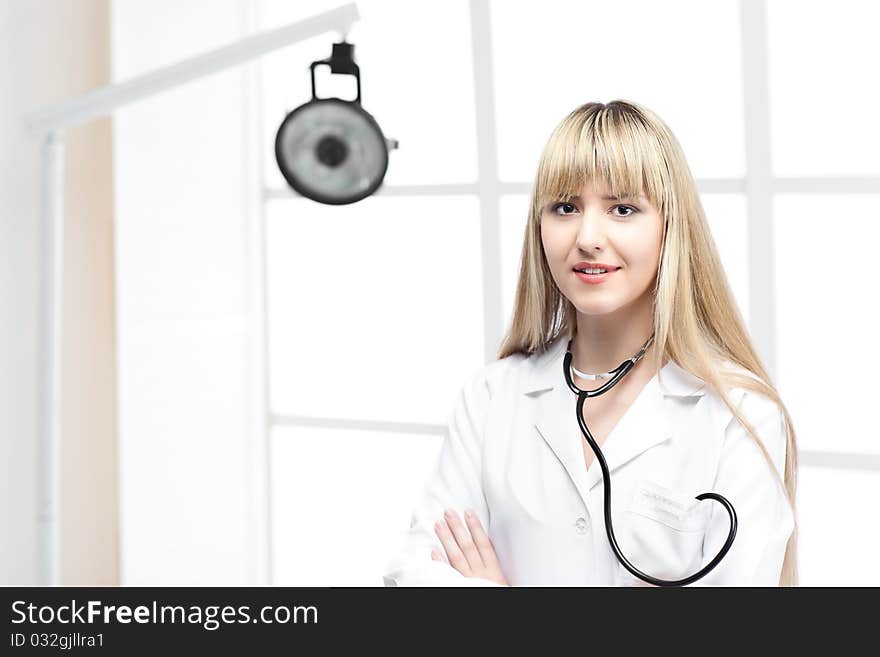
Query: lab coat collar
{"x":643,"y":426}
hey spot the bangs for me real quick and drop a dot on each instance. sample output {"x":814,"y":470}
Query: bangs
{"x":608,"y":148}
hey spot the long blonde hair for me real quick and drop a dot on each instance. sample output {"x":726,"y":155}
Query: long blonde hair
{"x":696,"y":320}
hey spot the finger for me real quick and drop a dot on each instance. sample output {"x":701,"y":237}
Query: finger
{"x":436,"y":556}
{"x":464,"y":540}
{"x":455,"y":556}
{"x":481,"y":539}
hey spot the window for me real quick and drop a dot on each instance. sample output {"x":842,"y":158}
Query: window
{"x":823,"y":103}
{"x":349,"y":285}
{"x":405,"y":271}
{"x":779,"y":135}
{"x":681,"y":59}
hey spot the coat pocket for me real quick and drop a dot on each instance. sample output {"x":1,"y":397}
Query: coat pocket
{"x":672,"y":508}
{"x":662,"y":533}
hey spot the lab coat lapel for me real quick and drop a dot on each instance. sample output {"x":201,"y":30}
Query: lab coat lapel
{"x":645,"y":424}
{"x":556,"y":423}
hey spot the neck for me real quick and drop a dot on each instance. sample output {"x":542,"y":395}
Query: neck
{"x":603,"y":342}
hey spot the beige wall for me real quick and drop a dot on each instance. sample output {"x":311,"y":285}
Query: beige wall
{"x":89,"y":507}
{"x":52,"y":50}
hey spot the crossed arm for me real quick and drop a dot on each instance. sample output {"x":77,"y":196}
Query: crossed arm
{"x":468,"y":548}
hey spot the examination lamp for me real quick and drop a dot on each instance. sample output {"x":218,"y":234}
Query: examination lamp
{"x":329,"y":149}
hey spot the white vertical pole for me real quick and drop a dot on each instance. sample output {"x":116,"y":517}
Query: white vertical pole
{"x":257,"y":434}
{"x":488,"y":185}
{"x":52,"y":256}
{"x":759,"y":182}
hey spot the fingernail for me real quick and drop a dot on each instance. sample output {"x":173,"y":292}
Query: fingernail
{"x":469,"y":515}
{"x":448,"y":513}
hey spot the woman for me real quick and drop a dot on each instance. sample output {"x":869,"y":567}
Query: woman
{"x":617,"y":263}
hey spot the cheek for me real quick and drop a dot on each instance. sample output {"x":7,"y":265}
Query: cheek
{"x":648,"y":257}
{"x":644,"y":253}
{"x":550,"y":245}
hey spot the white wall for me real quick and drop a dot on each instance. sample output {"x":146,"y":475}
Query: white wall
{"x":184,"y":189}
{"x":51,"y":50}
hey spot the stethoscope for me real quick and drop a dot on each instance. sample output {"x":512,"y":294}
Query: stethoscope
{"x":619,"y":373}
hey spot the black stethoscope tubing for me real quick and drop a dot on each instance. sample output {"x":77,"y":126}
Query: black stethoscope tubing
{"x":582,"y":396}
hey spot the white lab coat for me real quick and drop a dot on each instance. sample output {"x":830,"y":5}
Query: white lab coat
{"x":513,"y":453}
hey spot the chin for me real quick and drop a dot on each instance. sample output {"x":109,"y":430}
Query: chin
{"x":599,"y":308}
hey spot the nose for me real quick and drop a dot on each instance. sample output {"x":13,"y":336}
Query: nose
{"x":592,"y":230}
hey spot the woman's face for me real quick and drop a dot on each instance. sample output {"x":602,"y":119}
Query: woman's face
{"x":622,"y":234}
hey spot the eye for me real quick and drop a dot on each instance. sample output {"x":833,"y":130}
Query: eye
{"x":631,"y":209}
{"x":560,"y":205}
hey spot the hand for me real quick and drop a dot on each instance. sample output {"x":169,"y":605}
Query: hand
{"x":471,"y":557}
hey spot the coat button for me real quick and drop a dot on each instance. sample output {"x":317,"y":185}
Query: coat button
{"x":581,"y":525}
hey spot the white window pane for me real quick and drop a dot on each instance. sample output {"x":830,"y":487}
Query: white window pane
{"x":726,"y":214}
{"x":416,"y":80}
{"x":375,"y":308}
{"x":342,"y":502}
{"x":839,"y":537}
{"x":827,"y":319}
{"x":514,"y":211}
{"x":680,"y":59}
{"x":823,"y":89}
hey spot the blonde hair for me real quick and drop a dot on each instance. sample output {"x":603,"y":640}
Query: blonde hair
{"x":696,"y":319}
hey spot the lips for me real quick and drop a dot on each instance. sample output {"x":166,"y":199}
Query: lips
{"x":595,"y":265}
{"x":595,"y":278}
